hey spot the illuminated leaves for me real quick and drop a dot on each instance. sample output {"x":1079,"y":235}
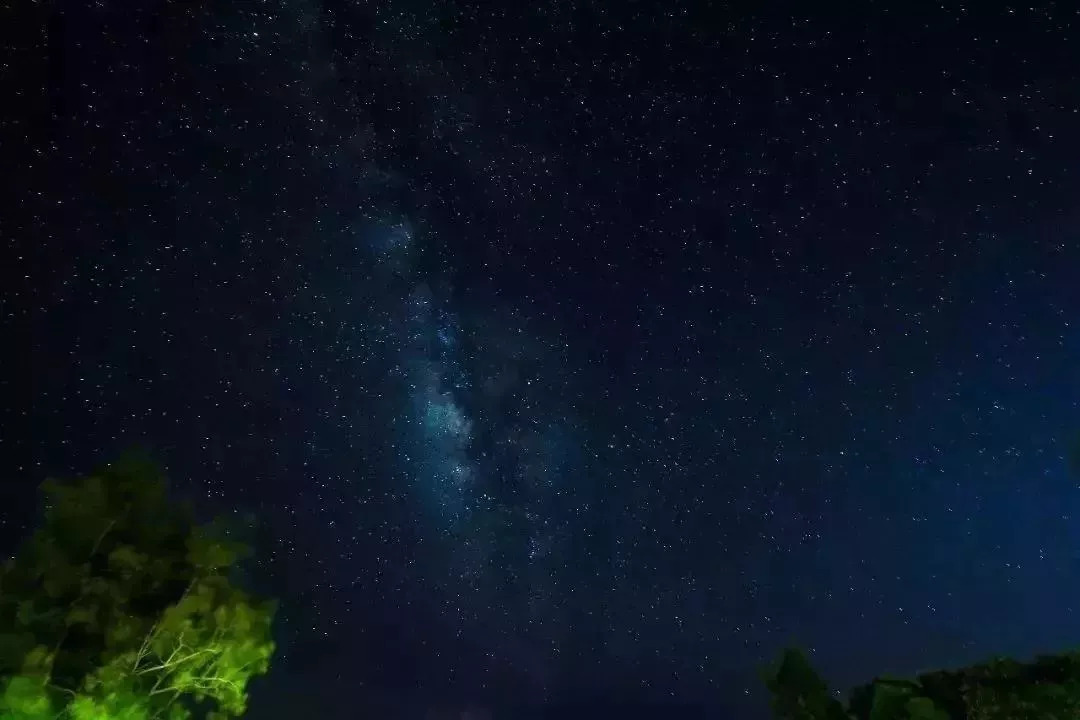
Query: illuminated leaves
{"x":24,"y":698}
{"x":209,"y":645}
{"x":120,"y":608}
{"x":114,"y":706}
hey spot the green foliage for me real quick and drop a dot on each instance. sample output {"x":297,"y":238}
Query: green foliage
{"x":798,"y":691}
{"x":25,"y":698}
{"x":121,"y":608}
{"x":1046,"y":689}
{"x":887,"y":699}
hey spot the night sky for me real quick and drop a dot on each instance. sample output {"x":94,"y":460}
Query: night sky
{"x":566,"y":352}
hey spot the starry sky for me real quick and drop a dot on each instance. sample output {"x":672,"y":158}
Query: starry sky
{"x":571,"y":355}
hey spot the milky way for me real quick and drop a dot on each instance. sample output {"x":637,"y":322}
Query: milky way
{"x":569,"y":350}
{"x":483,"y":435}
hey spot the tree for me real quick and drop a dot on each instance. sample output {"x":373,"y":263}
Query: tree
{"x":1048,"y":688}
{"x":798,"y":691}
{"x":121,"y":607}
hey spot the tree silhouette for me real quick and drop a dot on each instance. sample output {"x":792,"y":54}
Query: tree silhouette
{"x":1047,"y":688}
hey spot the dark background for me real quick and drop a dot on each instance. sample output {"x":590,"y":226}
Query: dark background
{"x":571,"y":355}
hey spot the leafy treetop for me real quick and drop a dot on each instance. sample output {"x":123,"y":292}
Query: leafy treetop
{"x":121,"y":607}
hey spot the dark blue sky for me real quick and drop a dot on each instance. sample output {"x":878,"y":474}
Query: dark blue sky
{"x":575,"y":353}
